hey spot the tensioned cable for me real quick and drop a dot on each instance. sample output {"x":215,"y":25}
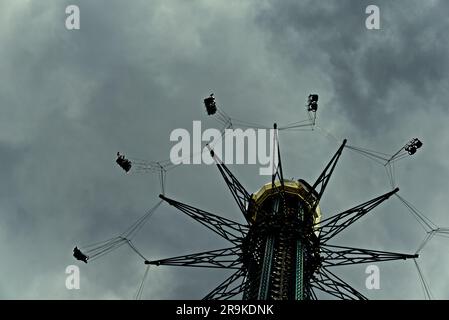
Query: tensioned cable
{"x":425,"y":222}
{"x":98,"y":249}
{"x":138,"y":294}
{"x":425,"y":285}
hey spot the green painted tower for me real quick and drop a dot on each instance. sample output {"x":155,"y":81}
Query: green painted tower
{"x":281,"y":249}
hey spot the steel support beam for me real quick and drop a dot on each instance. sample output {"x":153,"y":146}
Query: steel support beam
{"x":330,"y":227}
{"x":228,"y":229}
{"x":340,"y":256}
{"x":228,"y":258}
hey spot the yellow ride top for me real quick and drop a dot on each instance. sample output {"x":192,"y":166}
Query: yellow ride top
{"x":298,"y":188}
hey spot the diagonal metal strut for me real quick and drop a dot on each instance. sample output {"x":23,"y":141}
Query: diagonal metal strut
{"x":277,"y":171}
{"x":328,"y":282}
{"x":226,"y":290}
{"x":241,"y":196}
{"x":228,"y":229}
{"x":340,"y":256}
{"x":330,"y":227}
{"x":324,"y":177}
{"x":228,"y":258}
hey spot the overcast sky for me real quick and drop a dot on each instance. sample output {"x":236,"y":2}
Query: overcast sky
{"x":136,"y":70}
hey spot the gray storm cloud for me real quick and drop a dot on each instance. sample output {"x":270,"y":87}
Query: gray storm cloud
{"x":69,"y":100}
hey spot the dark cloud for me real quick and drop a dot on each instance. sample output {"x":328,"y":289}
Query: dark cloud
{"x":134,"y":72}
{"x":367,"y":68}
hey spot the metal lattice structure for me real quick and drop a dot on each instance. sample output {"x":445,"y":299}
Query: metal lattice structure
{"x":282,"y":251}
